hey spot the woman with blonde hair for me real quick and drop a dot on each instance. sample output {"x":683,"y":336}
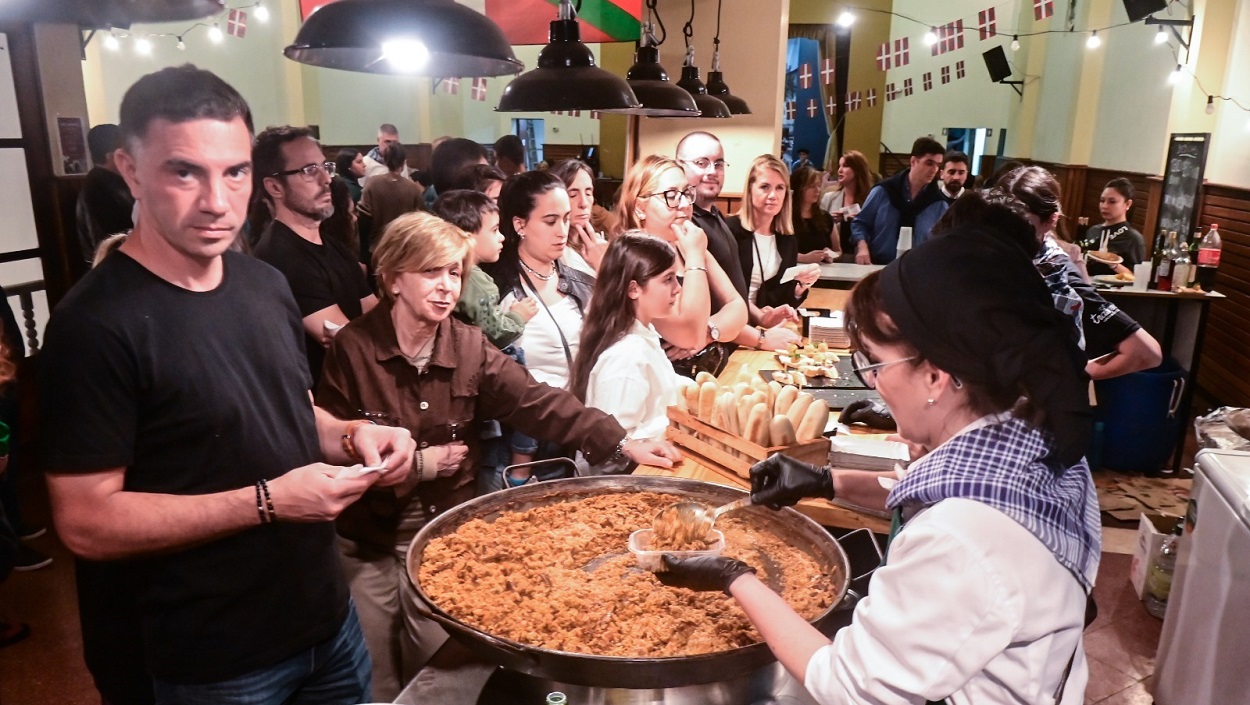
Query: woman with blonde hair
{"x":767,"y":246}
{"x":657,"y":199}
{"x":409,"y":362}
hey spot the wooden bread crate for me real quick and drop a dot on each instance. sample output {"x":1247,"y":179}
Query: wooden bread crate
{"x":715,"y":447}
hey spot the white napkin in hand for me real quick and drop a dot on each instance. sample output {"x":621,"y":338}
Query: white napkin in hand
{"x":793,"y":272}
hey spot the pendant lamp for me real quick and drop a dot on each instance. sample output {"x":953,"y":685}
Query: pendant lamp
{"x":650,"y":83}
{"x":566,"y":77}
{"x":716,"y":80}
{"x":417,"y":37}
{"x":168,"y":10}
{"x":709,"y":106}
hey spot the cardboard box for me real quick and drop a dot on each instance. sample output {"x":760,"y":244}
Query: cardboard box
{"x":1151,"y":530}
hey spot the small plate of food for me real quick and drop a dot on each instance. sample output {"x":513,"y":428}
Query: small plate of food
{"x":1105,"y":257}
{"x":1121,"y":279}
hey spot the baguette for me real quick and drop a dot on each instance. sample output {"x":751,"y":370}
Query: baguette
{"x":756,"y":429}
{"x":798,"y":408}
{"x":707,"y":400}
{"x":741,"y":389}
{"x":704,"y":377}
{"x":785,"y":399}
{"x":758,"y":384}
{"x":728,"y":413}
{"x":781,"y":431}
{"x":814,"y":420}
{"x":745,"y":404}
{"x":744,"y":373}
{"x":690,"y":393}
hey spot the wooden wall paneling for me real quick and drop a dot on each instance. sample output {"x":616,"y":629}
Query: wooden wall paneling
{"x":1222,"y":374}
{"x":891,"y":163}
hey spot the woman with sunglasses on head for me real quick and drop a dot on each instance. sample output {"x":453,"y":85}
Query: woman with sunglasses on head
{"x":983,"y":594}
{"x":409,"y":362}
{"x":656,"y":198}
{"x":767,"y":247}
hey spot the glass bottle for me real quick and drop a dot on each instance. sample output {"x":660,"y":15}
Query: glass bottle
{"x":1159,"y":579}
{"x":1163,"y":279}
{"x":557,"y":698}
{"x":1209,"y":257}
{"x":1156,"y":258}
{"x":1180,"y":265}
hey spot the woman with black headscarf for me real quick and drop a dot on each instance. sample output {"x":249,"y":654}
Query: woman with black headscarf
{"x":997,"y":539}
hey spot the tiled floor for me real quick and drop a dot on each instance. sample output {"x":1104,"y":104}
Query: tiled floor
{"x":47,"y":667}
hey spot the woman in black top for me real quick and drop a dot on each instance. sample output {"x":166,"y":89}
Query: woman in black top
{"x":1121,"y":238}
{"x":813,"y":228}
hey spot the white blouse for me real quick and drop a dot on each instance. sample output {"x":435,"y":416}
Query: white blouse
{"x":544,"y":353}
{"x":634,"y":381}
{"x":767,"y":263}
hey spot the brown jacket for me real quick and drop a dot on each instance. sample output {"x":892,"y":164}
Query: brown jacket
{"x":467,"y":380}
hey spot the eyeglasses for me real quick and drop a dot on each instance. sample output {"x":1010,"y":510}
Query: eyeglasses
{"x":672,"y":197}
{"x":866,"y":370}
{"x":310,"y":170}
{"x":704,"y":164}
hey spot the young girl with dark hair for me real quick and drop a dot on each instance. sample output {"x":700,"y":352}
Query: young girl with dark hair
{"x":621,"y":367}
{"x":1115,"y":234}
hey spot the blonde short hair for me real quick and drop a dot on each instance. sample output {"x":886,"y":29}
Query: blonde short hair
{"x":416,"y":242}
{"x":643,"y":177}
{"x":782,"y":224}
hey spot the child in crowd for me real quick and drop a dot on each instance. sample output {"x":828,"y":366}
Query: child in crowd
{"x":621,"y":368}
{"x":475,"y":212}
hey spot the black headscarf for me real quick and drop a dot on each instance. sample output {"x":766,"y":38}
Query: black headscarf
{"x":975,"y":307}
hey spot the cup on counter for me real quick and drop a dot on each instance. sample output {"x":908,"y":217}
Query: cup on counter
{"x":1141,"y":276}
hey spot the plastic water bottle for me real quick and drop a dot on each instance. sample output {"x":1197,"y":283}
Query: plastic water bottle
{"x":1159,"y":579}
{"x":557,"y":698}
{"x":1209,"y":258}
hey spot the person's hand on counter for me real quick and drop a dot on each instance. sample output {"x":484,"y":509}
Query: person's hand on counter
{"x":648,"y":452}
{"x":780,"y":481}
{"x":862,"y":255}
{"x":871,"y":413}
{"x":779,"y":338}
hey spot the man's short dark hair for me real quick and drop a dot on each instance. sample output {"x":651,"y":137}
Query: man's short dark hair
{"x":394,"y":157}
{"x":450,"y":157}
{"x":510,"y":147}
{"x":955,"y":155}
{"x":477,"y":177}
{"x":103,"y":139}
{"x":464,"y":208}
{"x":924,"y":146}
{"x":804,"y":151}
{"x":387,"y":128}
{"x":180,"y":94}
{"x":267,"y":158}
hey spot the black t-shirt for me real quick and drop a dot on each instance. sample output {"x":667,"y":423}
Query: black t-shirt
{"x":721,"y":245}
{"x":320,"y":276}
{"x":1122,"y":240}
{"x":813,"y":233}
{"x":195,"y":393}
{"x":1105,"y":325}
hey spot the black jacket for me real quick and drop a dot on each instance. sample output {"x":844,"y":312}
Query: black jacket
{"x":772,"y":292}
{"x":507,"y":275}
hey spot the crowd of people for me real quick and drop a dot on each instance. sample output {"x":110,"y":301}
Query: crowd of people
{"x":382,"y":344}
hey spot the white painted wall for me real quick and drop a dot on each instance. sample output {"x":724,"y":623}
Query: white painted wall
{"x":1229,"y":159}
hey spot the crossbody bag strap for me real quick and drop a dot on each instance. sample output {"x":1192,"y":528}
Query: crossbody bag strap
{"x":568,"y":353}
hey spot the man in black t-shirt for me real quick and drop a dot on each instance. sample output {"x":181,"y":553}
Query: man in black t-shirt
{"x":179,"y":435}
{"x":291,"y":174}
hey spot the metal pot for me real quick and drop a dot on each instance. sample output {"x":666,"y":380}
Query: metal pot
{"x":619,"y":672}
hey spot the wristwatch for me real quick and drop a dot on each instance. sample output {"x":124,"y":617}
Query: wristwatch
{"x":762,"y":332}
{"x":713,"y":331}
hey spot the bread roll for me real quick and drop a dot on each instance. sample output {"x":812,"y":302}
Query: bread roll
{"x":781,"y":431}
{"x":726,"y":404}
{"x":707,"y":400}
{"x":814,"y":420}
{"x":704,"y":377}
{"x":756,"y":429}
{"x":785,"y":398}
{"x":774,"y":388}
{"x":745,"y":404}
{"x":690,"y":393}
{"x":798,"y":408}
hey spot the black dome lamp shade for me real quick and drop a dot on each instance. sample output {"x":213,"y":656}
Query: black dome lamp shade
{"x":650,"y":83}
{"x":416,"y":37}
{"x":710,"y":106}
{"x":566,"y":77}
{"x":716,"y":80}
{"x":169,"y":10}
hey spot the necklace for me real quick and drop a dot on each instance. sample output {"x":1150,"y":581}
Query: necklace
{"x":544,"y":277}
{"x":422,"y":355}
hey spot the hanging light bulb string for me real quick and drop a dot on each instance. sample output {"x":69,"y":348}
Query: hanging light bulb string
{"x":257,"y":8}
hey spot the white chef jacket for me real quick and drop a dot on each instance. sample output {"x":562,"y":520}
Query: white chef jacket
{"x":634,"y":381}
{"x":971,"y":607}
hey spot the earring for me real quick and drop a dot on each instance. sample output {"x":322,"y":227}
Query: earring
{"x":520,"y":234}
{"x":395,"y":292}
{"x":931,"y":402}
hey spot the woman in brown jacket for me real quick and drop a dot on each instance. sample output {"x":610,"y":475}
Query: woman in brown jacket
{"x":408,"y":362}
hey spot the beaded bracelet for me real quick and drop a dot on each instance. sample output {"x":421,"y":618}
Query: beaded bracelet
{"x":419,"y":457}
{"x":264,"y":486}
{"x":349,"y":446}
{"x":260,"y":505}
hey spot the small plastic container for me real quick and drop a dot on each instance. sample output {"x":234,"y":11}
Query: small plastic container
{"x":653,"y":561}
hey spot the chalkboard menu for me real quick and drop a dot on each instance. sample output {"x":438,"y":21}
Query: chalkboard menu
{"x":1182,"y":181}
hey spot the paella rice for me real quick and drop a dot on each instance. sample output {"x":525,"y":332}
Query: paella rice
{"x":560,"y":577}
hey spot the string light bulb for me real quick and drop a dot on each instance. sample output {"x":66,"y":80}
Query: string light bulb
{"x":930,"y":37}
{"x":1176,"y":75}
{"x":143,"y":46}
{"x":1161,"y":37}
{"x":214,"y":34}
{"x":181,"y":45}
{"x":846,"y":19}
{"x":1094,"y":41}
{"x":1210,"y":109}
{"x":260,"y":12}
{"x":111,"y":42}
{"x":1015,"y":42}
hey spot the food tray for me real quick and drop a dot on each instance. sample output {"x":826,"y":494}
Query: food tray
{"x":654,"y":561}
{"x":721,"y":449}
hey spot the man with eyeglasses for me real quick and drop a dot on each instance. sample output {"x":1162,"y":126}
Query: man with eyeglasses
{"x":702,"y":157}
{"x":293,"y":177}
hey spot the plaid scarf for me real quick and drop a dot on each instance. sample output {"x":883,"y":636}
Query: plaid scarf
{"x":1010,"y":465}
{"x":1053,"y":263}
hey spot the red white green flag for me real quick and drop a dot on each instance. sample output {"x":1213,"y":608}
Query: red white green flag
{"x":529,"y":21}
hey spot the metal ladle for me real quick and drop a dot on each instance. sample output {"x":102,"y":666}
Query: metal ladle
{"x":698,"y":519}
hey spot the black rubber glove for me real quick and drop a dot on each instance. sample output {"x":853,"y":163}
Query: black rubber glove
{"x":780,"y":481}
{"x":869,"y":412}
{"x":703,"y":573}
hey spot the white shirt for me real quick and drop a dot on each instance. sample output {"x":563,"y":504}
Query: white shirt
{"x":634,"y":381}
{"x":544,"y":352}
{"x":971,"y":606}
{"x":832,"y":201}
{"x":767,"y":263}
